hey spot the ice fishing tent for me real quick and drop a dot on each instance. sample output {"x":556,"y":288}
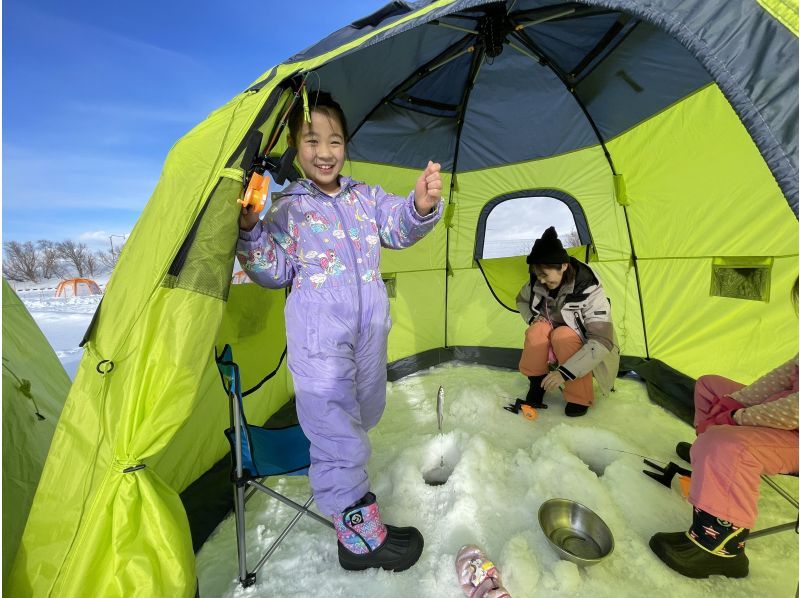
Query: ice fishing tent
{"x":35,"y":387}
{"x":669,"y":129}
{"x":77,"y":286}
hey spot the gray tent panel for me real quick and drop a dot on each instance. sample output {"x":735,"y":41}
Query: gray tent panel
{"x":647,"y":72}
{"x":444,"y":86}
{"x":567,"y":42}
{"x":404,"y":137}
{"x":360,"y":84}
{"x":518,"y":111}
{"x":728,"y":39}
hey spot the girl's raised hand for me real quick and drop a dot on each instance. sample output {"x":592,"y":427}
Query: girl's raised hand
{"x":248,"y":218}
{"x":428,"y":190}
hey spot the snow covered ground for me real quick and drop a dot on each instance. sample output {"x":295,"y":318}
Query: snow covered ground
{"x":503,"y":467}
{"x":63,"y":320}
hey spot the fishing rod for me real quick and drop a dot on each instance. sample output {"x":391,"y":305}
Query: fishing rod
{"x":255,"y":183}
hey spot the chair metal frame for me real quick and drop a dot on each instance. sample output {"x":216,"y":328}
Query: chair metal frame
{"x":245,"y":483}
{"x":783,"y":526}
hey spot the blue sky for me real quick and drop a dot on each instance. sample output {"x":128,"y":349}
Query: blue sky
{"x":95,"y":93}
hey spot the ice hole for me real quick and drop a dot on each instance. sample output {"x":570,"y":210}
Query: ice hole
{"x":441,"y":457}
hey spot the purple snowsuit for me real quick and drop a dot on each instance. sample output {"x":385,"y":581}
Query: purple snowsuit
{"x":337,"y":316}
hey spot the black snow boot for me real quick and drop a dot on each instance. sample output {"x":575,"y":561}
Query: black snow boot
{"x":365,"y":542}
{"x":682,"y":449}
{"x":712,"y":546}
{"x":575,"y":410}
{"x":534,"y":398}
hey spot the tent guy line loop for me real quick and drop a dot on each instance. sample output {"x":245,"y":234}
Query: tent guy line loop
{"x":104,"y":367}
{"x":25,"y":388}
{"x":134,"y":468}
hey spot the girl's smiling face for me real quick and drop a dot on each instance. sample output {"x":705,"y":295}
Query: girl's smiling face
{"x":320,"y":150}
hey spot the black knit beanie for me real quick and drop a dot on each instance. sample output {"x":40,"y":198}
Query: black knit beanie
{"x":548,"y":249}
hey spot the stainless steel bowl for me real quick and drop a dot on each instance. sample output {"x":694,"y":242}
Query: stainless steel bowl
{"x":575,"y":532}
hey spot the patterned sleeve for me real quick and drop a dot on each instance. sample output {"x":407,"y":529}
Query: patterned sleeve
{"x":780,"y":413}
{"x":399,"y":224}
{"x":262,"y":252}
{"x":780,"y":379}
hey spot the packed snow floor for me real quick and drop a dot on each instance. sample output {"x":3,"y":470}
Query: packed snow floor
{"x":503,"y":468}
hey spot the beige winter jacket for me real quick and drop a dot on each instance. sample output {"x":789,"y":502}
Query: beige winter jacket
{"x":584,"y":307}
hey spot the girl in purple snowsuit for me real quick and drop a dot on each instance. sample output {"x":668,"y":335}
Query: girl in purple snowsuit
{"x":323,"y":236}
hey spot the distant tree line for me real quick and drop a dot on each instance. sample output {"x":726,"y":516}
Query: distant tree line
{"x":47,"y":259}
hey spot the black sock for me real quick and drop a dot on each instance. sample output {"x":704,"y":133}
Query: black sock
{"x":716,"y":535}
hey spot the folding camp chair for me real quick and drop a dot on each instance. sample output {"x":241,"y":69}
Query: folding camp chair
{"x":783,"y":526}
{"x":257,"y":453}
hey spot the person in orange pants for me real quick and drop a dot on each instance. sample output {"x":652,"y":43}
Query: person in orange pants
{"x":569,"y":329}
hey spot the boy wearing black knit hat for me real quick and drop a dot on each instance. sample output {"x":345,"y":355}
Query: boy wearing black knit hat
{"x":569,"y":329}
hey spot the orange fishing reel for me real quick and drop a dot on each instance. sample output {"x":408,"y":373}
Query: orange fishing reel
{"x":257,"y":192}
{"x":528,"y":412}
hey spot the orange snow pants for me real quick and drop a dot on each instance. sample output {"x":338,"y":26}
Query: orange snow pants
{"x":543,"y":341}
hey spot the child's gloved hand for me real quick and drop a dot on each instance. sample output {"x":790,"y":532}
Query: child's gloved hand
{"x":248,"y":218}
{"x":553,"y":380}
{"x":428,"y":190}
{"x":718,"y":414}
{"x":719,"y":418}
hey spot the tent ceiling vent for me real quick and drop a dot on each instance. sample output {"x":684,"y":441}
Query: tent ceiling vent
{"x":493,"y":29}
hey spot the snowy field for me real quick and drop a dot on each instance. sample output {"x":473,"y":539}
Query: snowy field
{"x":63,"y":320}
{"x":502,"y":468}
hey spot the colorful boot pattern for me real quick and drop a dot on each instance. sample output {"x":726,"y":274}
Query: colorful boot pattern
{"x":359,"y":527}
{"x":715,"y":535}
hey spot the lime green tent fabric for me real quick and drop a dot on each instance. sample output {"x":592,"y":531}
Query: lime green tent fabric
{"x":675,"y":266}
{"x":35,"y":386}
{"x":673,"y":186}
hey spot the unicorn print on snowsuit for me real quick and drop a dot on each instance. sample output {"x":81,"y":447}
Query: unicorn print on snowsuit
{"x":317,"y":223}
{"x":332,"y":265}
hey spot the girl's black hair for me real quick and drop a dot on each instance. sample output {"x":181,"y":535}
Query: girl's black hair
{"x":319,"y":101}
{"x":794,"y":292}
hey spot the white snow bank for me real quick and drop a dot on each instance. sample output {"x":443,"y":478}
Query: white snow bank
{"x":63,"y":321}
{"x":503,"y":467}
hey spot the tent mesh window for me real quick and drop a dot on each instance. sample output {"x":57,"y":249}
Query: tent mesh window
{"x":741,"y":279}
{"x":208,"y":264}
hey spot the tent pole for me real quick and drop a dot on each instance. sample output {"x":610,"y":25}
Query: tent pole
{"x":474,"y":69}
